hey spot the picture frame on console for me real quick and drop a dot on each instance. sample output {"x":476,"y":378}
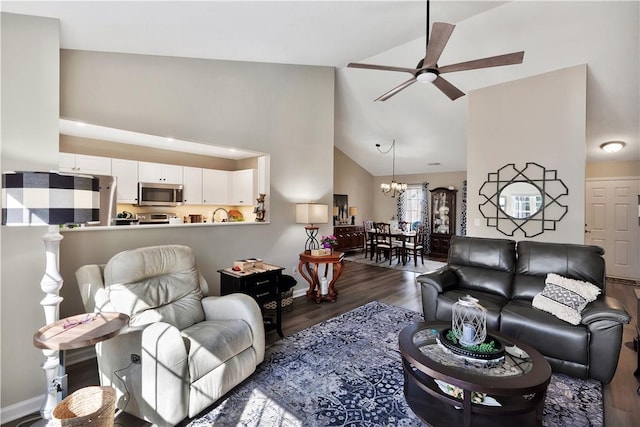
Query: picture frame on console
{"x":341,"y":209}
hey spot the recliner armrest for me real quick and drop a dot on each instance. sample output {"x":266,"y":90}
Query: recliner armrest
{"x":238,"y":306}
{"x":606,"y":308}
{"x":441,"y":279}
{"x":432,"y":284}
{"x":165,"y":374}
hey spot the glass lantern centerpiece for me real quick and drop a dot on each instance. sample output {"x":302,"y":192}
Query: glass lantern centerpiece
{"x":469,"y":321}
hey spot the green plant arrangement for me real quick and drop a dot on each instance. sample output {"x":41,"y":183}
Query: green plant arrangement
{"x":485,"y":347}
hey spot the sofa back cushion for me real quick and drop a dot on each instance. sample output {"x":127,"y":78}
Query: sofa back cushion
{"x":157,"y":283}
{"x":537,"y":259}
{"x":483,"y":264}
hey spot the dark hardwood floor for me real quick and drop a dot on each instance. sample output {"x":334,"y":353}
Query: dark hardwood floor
{"x":361,"y":283}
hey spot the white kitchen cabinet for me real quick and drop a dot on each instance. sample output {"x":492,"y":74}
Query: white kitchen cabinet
{"x":126,"y":173}
{"x":215,"y":187}
{"x":242,"y":186}
{"x":82,"y":163}
{"x":159,"y":172}
{"x":192,"y":179}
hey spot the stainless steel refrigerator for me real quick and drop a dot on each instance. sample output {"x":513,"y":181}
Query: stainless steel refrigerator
{"x":108,"y":200}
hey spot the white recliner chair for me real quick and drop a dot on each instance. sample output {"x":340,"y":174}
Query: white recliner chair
{"x":192,"y":349}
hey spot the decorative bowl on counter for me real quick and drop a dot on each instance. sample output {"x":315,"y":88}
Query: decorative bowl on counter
{"x":235,"y":215}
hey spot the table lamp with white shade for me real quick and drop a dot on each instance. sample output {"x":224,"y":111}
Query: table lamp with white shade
{"x":311,"y":214}
{"x":53,"y":199}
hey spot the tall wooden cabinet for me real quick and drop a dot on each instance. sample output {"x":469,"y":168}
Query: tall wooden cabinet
{"x":443,"y":220}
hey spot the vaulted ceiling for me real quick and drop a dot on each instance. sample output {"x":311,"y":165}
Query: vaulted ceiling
{"x":428,"y":127}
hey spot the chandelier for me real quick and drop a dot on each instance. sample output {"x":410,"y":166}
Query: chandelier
{"x":395,"y":188}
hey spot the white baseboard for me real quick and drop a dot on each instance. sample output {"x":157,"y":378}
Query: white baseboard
{"x":299,"y":293}
{"x":20,"y":409}
{"x":29,"y":406}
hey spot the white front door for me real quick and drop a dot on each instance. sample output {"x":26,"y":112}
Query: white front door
{"x":612,"y":223}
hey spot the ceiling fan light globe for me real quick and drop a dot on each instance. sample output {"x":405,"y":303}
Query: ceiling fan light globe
{"x":427,"y":76}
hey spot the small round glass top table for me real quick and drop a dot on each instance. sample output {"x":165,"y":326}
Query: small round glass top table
{"x":444,"y":389}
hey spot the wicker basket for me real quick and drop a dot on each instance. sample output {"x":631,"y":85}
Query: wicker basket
{"x":90,"y":406}
{"x":287,"y":301}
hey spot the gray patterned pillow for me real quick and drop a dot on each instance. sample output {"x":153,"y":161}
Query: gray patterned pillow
{"x":565,"y":298}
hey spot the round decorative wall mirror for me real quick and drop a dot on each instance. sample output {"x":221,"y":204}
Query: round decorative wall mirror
{"x":520,"y":200}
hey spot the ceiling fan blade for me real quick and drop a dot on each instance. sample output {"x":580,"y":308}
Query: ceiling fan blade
{"x":381,"y":67}
{"x":440,"y":33}
{"x":396,"y":89}
{"x":493,"y":61}
{"x":448,"y":89}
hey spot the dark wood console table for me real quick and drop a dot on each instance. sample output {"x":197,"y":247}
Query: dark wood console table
{"x":349,"y":237}
{"x":262,"y":284}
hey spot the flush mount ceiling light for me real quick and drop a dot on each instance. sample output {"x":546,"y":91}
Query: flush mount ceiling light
{"x":612,"y":146}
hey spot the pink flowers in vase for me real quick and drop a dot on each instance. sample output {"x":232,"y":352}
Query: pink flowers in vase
{"x":329,"y":241}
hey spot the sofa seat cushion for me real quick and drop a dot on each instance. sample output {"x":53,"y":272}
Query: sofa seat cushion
{"x":492,"y":302}
{"x":213,"y":342}
{"x":549,"y":335}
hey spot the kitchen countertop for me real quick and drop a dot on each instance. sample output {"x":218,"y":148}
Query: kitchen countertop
{"x":156,"y":226}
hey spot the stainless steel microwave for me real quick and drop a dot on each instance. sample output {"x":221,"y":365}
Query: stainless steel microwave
{"x":155,"y":194}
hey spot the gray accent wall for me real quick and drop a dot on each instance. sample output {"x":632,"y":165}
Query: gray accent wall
{"x":284,"y":110}
{"x":29,"y":141}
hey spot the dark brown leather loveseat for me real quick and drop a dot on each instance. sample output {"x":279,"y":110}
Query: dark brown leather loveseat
{"x":505,"y":276}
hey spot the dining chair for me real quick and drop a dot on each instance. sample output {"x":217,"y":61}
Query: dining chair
{"x":369,"y":244}
{"x":415,"y":245}
{"x":404,"y":225}
{"x":384,"y":242}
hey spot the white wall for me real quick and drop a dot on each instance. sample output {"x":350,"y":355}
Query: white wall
{"x":539,"y":119}
{"x":29,"y":138}
{"x":353,"y":180}
{"x":286,"y":112}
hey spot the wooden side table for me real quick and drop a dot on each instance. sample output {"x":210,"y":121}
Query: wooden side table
{"x":263,"y":285}
{"x":311,"y":264}
{"x":79,"y":331}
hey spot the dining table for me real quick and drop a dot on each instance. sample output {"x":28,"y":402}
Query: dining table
{"x":398,"y":237}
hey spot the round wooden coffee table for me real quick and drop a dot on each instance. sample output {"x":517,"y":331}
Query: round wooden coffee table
{"x":515,"y":387}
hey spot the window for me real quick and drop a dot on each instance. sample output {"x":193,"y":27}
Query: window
{"x":525,"y":206}
{"x":413,"y":203}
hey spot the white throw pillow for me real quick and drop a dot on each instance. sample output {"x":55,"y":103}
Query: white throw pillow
{"x":565,"y":298}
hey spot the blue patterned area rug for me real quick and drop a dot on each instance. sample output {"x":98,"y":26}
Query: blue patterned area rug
{"x":347,"y":371}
